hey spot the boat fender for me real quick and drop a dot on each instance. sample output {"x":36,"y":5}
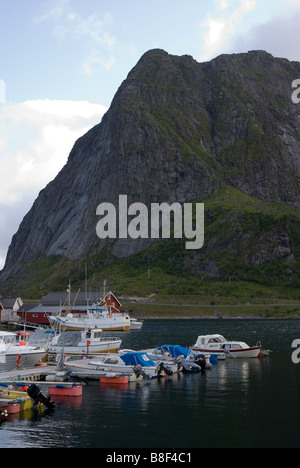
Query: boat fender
{"x":58,"y":358}
{"x":4,"y":413}
{"x":18,"y":360}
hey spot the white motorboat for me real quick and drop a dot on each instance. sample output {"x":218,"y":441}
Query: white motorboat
{"x":91,"y":369}
{"x":16,"y":351}
{"x":137,"y":363}
{"x":96,"y":317}
{"x":90,"y":342}
{"x":217,"y":344}
{"x":135,"y":324}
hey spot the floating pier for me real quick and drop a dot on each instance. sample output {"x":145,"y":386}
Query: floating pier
{"x":44,"y":376}
{"x":28,"y":375}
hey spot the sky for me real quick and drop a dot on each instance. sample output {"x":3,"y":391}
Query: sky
{"x":62,"y":61}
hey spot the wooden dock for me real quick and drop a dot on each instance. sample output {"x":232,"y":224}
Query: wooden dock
{"x":35,"y":374}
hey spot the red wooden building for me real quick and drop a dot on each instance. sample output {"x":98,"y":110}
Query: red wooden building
{"x":113,"y":304}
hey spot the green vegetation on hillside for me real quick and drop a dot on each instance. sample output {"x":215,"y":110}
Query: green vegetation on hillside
{"x":236,"y":227}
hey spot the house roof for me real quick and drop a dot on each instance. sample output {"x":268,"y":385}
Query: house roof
{"x":27,"y":307}
{"x":8,"y":303}
{"x":61,"y":298}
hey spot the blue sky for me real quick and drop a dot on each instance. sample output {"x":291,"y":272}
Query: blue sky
{"x":61,"y":62}
{"x":70,"y":49}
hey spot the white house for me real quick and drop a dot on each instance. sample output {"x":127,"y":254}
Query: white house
{"x":9,"y":308}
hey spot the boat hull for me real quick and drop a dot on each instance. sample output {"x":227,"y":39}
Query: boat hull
{"x":80,"y":327}
{"x":105,"y":347}
{"x":252,"y":352}
{"x":135,"y":324}
{"x":82,"y":370}
{"x":95,"y":370}
{"x":76,"y":324}
{"x":21,"y":360}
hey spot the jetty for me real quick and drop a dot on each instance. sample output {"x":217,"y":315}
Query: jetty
{"x":36,"y":374}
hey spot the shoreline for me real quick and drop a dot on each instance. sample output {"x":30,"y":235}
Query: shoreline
{"x":256,"y":311}
{"x":5,"y":327}
{"x":228,"y":317}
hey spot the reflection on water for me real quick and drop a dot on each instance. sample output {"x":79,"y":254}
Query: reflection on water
{"x":239,"y":403}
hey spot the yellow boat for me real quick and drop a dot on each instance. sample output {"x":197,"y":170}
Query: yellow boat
{"x":22,"y":398}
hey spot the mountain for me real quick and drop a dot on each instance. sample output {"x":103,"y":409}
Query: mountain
{"x":224,"y":132}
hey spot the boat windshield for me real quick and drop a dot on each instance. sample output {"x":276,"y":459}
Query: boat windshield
{"x":217,"y":339}
{"x":7,"y":339}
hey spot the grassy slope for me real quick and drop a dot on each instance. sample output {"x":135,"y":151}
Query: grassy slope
{"x":164,"y":270}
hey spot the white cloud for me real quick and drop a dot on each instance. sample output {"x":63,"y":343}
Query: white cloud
{"x":90,"y":66}
{"x":220,"y":27}
{"x":95,"y":30}
{"x":54,"y":10}
{"x":279,"y":36}
{"x":36,"y":139}
{"x":223,"y":4}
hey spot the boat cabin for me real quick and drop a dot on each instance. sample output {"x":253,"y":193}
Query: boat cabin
{"x":22,"y":338}
{"x":91,"y":335}
{"x":7,"y":338}
{"x":211,"y":342}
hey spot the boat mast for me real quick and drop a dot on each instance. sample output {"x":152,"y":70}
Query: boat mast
{"x":104,"y":290}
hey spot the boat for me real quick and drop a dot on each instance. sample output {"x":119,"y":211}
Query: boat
{"x":90,"y":342}
{"x":134,"y":364}
{"x":18,"y":397}
{"x":150,"y":368}
{"x":185,"y":357}
{"x":86,"y":369}
{"x":135,"y":324}
{"x":96,"y":317}
{"x":218,"y":344}
{"x":19,"y":401}
{"x":17,"y":352}
{"x":162,"y":356}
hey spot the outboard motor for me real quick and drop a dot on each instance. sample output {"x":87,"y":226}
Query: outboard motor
{"x":201,"y":361}
{"x":138,"y":370}
{"x":163,"y":368}
{"x":177,"y":361}
{"x":35,"y":393}
{"x":190,"y":366}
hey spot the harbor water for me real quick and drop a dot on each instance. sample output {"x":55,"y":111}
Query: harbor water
{"x":239,"y":403}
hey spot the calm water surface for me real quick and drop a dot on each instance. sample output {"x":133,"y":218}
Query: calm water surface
{"x":239,"y":403}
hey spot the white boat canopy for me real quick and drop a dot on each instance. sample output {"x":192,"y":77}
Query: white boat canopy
{"x":208,"y":339}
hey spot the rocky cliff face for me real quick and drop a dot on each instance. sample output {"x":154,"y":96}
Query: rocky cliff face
{"x":177,"y":130}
